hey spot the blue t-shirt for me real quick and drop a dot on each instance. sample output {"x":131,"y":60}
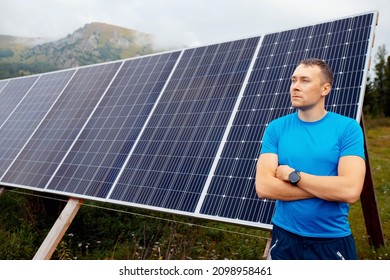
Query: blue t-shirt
{"x":314,"y":148}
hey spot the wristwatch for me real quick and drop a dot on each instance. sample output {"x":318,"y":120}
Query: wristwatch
{"x":294,"y":177}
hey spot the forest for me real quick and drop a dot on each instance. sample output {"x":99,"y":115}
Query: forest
{"x":377,"y":95}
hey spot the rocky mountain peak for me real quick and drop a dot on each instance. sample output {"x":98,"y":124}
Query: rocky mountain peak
{"x":93,"y":43}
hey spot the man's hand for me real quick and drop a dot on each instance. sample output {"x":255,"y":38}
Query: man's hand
{"x":283,"y":172}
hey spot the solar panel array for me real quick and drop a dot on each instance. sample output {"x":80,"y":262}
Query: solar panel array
{"x":178,"y":131}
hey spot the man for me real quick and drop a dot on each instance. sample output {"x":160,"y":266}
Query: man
{"x":312,"y":163}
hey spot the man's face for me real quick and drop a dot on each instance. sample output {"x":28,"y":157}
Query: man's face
{"x":307,"y":88}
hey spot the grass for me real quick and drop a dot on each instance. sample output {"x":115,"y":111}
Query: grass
{"x":100,"y":233}
{"x":378,"y":142}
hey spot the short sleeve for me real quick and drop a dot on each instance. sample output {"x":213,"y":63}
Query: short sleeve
{"x":352,"y":141}
{"x":270,"y":139}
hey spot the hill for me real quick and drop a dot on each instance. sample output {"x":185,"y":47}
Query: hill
{"x":11,"y":47}
{"x":93,"y":43}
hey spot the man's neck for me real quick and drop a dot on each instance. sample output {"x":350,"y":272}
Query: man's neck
{"x":311,"y":115}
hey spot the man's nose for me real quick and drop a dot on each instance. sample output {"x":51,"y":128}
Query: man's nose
{"x":295,"y":86}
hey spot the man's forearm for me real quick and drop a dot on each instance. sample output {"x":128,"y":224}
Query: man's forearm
{"x":345,"y":187}
{"x":273,"y":188}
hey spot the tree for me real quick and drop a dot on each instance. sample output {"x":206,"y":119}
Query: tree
{"x":386,"y":87}
{"x":381,"y":85}
{"x":371,"y":105}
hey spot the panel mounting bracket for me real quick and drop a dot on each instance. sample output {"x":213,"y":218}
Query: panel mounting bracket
{"x":58,"y":230}
{"x":369,"y":203}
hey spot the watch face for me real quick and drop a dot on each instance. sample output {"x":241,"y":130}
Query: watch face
{"x":294,"y":177}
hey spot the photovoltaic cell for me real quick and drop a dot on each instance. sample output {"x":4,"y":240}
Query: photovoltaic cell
{"x":49,"y":144}
{"x":171,"y":161}
{"x":343,"y":44}
{"x":30,"y":111}
{"x":99,"y":153}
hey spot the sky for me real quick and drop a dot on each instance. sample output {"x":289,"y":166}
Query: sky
{"x":184,"y":22}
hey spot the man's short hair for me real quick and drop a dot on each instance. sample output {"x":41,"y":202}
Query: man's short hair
{"x":325,"y":68}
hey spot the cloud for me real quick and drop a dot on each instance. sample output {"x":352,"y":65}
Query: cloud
{"x":178,"y":22}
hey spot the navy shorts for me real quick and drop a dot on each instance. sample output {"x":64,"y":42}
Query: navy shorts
{"x":289,"y":246}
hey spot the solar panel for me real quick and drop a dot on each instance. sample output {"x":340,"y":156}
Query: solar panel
{"x":25,"y":118}
{"x":50,"y":142}
{"x":97,"y":156}
{"x":180,"y":131}
{"x":171,"y":161}
{"x":3,"y":83}
{"x":12,"y":94}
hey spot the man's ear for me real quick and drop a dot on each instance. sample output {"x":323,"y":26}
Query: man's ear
{"x":326,"y":89}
